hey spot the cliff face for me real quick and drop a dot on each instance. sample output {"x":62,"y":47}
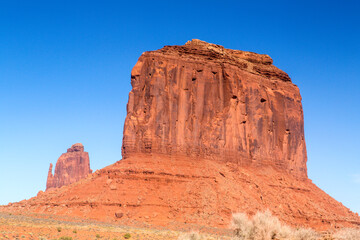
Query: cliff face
{"x":70,"y":167}
{"x":203,"y":100}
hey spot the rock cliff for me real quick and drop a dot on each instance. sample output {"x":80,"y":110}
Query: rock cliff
{"x":70,"y":167}
{"x":204,"y":100}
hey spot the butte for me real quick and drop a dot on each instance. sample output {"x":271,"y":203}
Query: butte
{"x":209,"y":132}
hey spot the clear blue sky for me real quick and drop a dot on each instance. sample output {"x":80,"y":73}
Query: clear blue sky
{"x":65,"y":76}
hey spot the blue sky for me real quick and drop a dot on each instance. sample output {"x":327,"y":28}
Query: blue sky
{"x":65,"y":76}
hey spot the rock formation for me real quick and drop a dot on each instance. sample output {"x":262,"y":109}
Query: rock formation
{"x":204,"y":100}
{"x":70,"y":167}
{"x":210,"y":131}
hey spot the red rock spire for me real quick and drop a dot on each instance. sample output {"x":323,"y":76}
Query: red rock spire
{"x":70,"y":167}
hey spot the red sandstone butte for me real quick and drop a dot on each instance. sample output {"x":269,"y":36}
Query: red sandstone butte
{"x":203,"y":100}
{"x":70,"y":167}
{"x":209,"y":132}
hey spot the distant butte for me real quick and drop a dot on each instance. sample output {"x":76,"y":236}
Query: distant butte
{"x":209,"y":132}
{"x":70,"y":167}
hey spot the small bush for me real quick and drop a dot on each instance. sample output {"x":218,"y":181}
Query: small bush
{"x":242,"y":226}
{"x":305,"y":234}
{"x":59,"y":229}
{"x":74,"y":231}
{"x":65,"y":238}
{"x":190,"y":236}
{"x":127,"y":235}
{"x":98,"y":236}
{"x":266,"y":226}
{"x":347,"y":234}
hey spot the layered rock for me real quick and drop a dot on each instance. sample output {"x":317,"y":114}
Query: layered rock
{"x":203,"y":100}
{"x":181,"y":192}
{"x":70,"y":167}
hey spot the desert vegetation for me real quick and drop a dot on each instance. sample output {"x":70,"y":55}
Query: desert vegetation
{"x":265,"y":226}
{"x":347,"y":234}
{"x":190,"y":236}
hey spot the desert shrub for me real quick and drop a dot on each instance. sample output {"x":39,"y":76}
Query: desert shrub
{"x":264,"y":226}
{"x":127,"y":235}
{"x":190,"y":236}
{"x":65,"y":238}
{"x":59,"y":229}
{"x":98,"y":236}
{"x":305,"y":234}
{"x":347,"y":234}
{"x":242,"y":226}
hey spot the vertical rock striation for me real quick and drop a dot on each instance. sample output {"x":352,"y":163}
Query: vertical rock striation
{"x":203,"y":100}
{"x":70,"y":167}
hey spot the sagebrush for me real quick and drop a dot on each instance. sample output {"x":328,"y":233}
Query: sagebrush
{"x":264,"y":226}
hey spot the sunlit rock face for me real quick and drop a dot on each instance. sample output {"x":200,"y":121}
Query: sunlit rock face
{"x":204,"y":100}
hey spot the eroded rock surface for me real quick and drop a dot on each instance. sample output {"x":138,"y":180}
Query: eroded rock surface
{"x":70,"y":167}
{"x":203,"y":100}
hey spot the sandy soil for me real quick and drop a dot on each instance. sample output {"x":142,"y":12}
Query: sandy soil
{"x":51,"y":228}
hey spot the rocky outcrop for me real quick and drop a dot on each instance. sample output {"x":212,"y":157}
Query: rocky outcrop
{"x":204,"y":100}
{"x":70,"y":167}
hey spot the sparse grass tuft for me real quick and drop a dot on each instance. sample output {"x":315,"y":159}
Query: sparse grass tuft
{"x":65,"y":238}
{"x":127,"y":235}
{"x":59,"y":229}
{"x":190,"y":236}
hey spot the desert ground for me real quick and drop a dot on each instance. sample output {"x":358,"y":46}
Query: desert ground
{"x":42,"y":227}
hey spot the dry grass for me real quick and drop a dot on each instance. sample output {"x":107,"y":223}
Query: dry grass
{"x":190,"y":236}
{"x":347,"y":234}
{"x":264,"y":226}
